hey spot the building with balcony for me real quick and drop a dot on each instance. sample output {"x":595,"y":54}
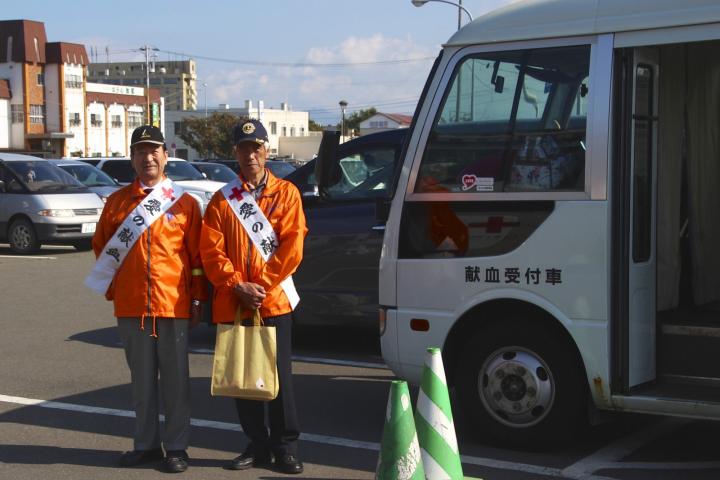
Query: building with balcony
{"x":176,"y":80}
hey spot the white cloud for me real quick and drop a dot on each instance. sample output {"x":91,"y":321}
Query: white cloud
{"x":391,"y":87}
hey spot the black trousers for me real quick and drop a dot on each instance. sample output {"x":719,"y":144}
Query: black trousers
{"x":282,"y":415}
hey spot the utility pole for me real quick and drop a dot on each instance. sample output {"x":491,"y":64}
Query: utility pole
{"x":146,"y":49}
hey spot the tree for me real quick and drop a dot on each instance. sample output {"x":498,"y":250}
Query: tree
{"x":352,"y":121}
{"x":313,"y":126}
{"x":211,"y":137}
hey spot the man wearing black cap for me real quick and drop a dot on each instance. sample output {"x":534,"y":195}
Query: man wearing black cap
{"x":148,"y":264}
{"x":251,"y":244}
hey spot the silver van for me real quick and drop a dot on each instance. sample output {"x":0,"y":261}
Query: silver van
{"x":42,"y":204}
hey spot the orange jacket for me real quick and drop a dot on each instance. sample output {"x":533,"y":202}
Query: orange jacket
{"x":156,"y":278}
{"x":229,"y":257}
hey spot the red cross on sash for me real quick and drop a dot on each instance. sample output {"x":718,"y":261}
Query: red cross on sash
{"x":167,"y":193}
{"x":236,"y":194}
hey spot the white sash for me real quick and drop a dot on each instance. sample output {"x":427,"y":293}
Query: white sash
{"x":258,"y":229}
{"x":152,"y":207}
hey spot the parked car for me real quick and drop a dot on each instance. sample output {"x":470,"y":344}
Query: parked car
{"x":279,"y":168}
{"x":90,"y":161}
{"x":42,"y":204}
{"x":93,"y":178}
{"x":177,"y":169}
{"x":215,"y":171}
{"x":338,"y":277}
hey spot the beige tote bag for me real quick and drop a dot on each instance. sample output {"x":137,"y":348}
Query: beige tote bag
{"x":245,"y":363}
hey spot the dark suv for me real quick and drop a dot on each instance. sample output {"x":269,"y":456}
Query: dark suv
{"x":338,"y":278}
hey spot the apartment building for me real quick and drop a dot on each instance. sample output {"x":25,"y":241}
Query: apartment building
{"x":176,"y":80}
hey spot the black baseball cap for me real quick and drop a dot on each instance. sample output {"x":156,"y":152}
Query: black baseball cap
{"x":147,"y":134}
{"x":249,"y":131}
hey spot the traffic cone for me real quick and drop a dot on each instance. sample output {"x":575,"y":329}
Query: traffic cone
{"x":434,"y":422}
{"x":399,"y":450}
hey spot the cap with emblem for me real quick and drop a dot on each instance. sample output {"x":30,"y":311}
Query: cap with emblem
{"x":249,"y":131}
{"x":147,"y":134}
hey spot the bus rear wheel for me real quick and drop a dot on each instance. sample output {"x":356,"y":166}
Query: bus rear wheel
{"x":521,"y":386}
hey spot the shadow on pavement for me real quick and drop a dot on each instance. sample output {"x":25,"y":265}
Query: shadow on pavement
{"x":320,"y":401}
{"x":49,"y":455}
{"x":311,"y":341}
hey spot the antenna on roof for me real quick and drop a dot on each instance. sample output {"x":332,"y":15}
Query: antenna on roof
{"x":107,"y":53}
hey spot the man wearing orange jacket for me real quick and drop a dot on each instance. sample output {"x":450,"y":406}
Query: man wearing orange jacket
{"x":148,"y":264}
{"x":251,"y":243}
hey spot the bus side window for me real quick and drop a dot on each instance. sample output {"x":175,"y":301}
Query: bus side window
{"x":528,"y":135}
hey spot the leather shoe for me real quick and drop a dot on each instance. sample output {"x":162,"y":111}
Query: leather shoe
{"x":176,"y":461}
{"x":289,"y":463}
{"x":138,"y":457}
{"x":250,"y":459}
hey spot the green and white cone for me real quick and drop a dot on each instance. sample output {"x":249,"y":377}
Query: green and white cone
{"x":399,"y":450}
{"x":434,"y":422}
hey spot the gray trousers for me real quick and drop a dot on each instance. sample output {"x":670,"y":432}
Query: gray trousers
{"x":168,"y":355}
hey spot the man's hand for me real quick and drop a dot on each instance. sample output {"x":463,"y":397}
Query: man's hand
{"x":195,"y":315}
{"x":251,"y":295}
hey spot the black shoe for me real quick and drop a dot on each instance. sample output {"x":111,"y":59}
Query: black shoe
{"x":176,"y":461}
{"x":138,"y":457}
{"x":250,"y":458}
{"x":289,"y":463}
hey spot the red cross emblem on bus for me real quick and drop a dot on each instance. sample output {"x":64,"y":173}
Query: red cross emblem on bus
{"x":495,"y":224}
{"x":168,"y":193}
{"x":236,"y":194}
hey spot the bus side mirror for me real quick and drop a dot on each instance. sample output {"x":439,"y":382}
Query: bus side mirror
{"x":327,"y":171}
{"x":2,"y":186}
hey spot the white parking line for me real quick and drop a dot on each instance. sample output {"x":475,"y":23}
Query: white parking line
{"x":326,"y":361}
{"x":609,"y":456}
{"x":332,"y":361}
{"x":24,"y":257}
{"x":306,"y":437}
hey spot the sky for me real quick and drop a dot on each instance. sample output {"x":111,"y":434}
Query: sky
{"x":271,"y":50}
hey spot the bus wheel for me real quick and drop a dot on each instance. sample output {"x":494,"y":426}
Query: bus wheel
{"x":521,"y":386}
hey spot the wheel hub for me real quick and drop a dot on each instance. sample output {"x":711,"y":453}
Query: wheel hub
{"x":516,"y":387}
{"x":21,"y":237}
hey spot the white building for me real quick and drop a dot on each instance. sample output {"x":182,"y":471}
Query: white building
{"x":279,"y":122}
{"x":384,"y":121}
{"x":113,"y":112}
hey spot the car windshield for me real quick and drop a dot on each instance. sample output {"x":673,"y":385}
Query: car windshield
{"x":181,"y":170}
{"x":280,"y":169}
{"x":216,"y":172}
{"x":89,"y":175}
{"x":43,"y":176}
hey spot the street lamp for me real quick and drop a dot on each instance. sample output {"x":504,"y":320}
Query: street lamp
{"x":420,"y":3}
{"x":343,"y":104}
{"x":147,"y":49}
{"x":205,"y":88}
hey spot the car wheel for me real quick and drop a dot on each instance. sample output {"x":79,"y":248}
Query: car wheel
{"x":22,"y":237}
{"x":521,"y":386}
{"x":83,"y":245}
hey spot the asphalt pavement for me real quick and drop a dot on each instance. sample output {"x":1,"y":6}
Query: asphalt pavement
{"x":65,"y":410}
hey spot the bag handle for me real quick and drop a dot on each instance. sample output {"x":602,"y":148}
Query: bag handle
{"x":257,"y":320}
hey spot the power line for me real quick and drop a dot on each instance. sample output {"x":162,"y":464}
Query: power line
{"x":299,"y":64}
